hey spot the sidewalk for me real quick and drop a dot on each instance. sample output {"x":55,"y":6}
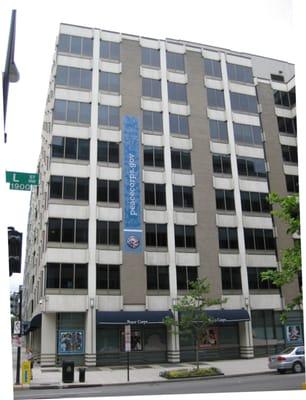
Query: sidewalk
{"x":95,"y":376}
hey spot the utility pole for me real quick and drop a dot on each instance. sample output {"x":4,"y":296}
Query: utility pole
{"x":19,"y":335}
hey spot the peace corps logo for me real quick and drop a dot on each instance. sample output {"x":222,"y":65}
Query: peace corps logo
{"x":133,"y":242}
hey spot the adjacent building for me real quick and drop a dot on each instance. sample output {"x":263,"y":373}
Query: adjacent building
{"x":156,"y":160}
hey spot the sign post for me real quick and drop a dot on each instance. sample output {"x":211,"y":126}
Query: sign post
{"x":127,"y":342}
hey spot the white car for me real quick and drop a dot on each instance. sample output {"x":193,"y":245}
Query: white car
{"x":292,"y":358}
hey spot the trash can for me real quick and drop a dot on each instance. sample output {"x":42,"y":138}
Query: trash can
{"x":68,"y":371}
{"x":81,"y":374}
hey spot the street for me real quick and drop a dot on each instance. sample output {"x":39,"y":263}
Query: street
{"x":263,"y":382}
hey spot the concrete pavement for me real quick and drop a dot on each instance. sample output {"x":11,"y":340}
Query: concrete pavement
{"x":114,"y":375}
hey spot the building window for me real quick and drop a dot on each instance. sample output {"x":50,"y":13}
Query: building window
{"x":177,"y":92}
{"x":259,"y":239}
{"x":184,"y":236}
{"x":277,"y":78}
{"x":179,"y":124}
{"x":152,"y":121}
{"x":75,"y":45}
{"x":157,"y":277}
{"x":185,"y":275}
{"x":109,"y":116}
{"x":175,"y":61}
{"x":222,"y":163}
{"x":182,"y":196}
{"x":71,"y":148}
{"x":108,"y":152}
{"x":244,"y":103}
{"x":108,"y":276}
{"x":247,"y":134}
{"x":287,"y":125}
{"x":109,"y":50}
{"x":225,"y":200}
{"x":66,"y":276}
{"x":150,"y":57}
{"x":109,"y":82}
{"x":228,"y":238}
{"x":72,"y":111}
{"x":70,"y":188}
{"x":239,"y":73}
{"x":107,"y":191}
{"x":218,"y":130}
{"x":108,"y":233}
{"x":285,"y":99}
{"x":212,"y":68}
{"x":155,"y":194}
{"x":290,"y":154}
{"x":292,"y":183}
{"x":156,"y":235}
{"x":153,"y":156}
{"x":255,"y":202}
{"x":151,"y":88}
{"x":231,"y":278}
{"x":180,"y":159}
{"x":255,"y":281}
{"x":248,"y":166}
{"x":215,"y":98}
{"x":73,"y":77}
{"x":66,"y":230}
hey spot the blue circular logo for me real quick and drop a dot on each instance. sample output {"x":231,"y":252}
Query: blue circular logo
{"x":133,"y":242}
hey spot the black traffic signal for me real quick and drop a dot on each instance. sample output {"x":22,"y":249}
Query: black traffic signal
{"x":14,"y":250}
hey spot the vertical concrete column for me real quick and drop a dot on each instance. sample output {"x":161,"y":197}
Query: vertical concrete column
{"x":246,"y":340}
{"x":173,"y":338}
{"x":90,"y":318}
{"x":48,"y":339}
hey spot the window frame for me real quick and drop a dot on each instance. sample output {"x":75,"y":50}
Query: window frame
{"x":108,"y":267}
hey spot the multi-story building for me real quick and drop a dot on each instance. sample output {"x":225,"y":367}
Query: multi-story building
{"x":156,"y":160}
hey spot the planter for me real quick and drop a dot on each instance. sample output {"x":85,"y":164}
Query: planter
{"x":193,"y":373}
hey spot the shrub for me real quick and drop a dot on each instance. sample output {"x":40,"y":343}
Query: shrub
{"x":193,"y":373}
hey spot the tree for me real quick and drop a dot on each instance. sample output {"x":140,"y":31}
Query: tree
{"x":288,"y":210}
{"x":193,"y":318}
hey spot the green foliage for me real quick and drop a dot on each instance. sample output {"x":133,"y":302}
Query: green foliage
{"x":193,"y":373}
{"x":288,"y":210}
{"x":193,"y":319}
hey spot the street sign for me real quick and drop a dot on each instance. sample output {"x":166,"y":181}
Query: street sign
{"x":21,"y":180}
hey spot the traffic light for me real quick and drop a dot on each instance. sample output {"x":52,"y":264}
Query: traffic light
{"x":14,"y":250}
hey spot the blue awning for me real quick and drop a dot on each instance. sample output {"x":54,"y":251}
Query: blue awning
{"x":132,"y":317}
{"x":226,"y":316}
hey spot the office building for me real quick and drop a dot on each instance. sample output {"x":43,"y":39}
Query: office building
{"x":156,"y":160}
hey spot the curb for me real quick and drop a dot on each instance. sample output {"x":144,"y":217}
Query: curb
{"x":77,"y":385}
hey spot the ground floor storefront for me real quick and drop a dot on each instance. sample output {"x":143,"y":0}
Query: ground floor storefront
{"x":101,"y":340}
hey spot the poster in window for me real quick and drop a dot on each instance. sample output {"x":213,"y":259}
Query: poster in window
{"x":294,"y":334}
{"x":70,"y":341}
{"x":136,"y":343}
{"x":209,"y":338}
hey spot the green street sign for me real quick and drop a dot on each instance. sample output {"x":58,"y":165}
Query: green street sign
{"x":21,"y":180}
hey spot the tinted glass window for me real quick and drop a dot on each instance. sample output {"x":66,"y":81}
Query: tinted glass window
{"x":243,"y":102}
{"x":68,"y":227}
{"x":215,"y":98}
{"x":152,"y":121}
{"x":56,"y":187}
{"x":82,"y":188}
{"x":175,"y":61}
{"x":212,"y":68}
{"x":81,"y":231}
{"x":57,"y":146}
{"x":150,"y":57}
{"x":109,"y":82}
{"x":69,"y":187}
{"x":81,"y":276}
{"x":54,"y":230}
{"x":177,"y":92}
{"x":67,"y":276}
{"x":83,"y":149}
{"x":110,"y":50}
{"x":218,"y":130}
{"x":53,"y":270}
{"x":239,"y":73}
{"x":179,"y":124}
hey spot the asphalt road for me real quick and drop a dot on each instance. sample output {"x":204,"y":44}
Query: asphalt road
{"x":254,"y":383}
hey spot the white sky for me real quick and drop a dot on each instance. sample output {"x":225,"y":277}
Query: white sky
{"x":262,"y":27}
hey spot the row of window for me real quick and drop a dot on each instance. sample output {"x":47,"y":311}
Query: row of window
{"x":255,"y":239}
{"x":239,"y":101}
{"x":150,"y":57}
{"x":250,"y":201}
{"x":72,"y":188}
{"x":285,"y":99}
{"x":247,"y":166}
{"x":75,"y":276}
{"x":66,"y":230}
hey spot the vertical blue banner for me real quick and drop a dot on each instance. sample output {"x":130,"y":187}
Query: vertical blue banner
{"x":132,"y":223}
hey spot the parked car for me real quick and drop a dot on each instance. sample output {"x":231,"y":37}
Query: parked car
{"x":292,"y":358}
